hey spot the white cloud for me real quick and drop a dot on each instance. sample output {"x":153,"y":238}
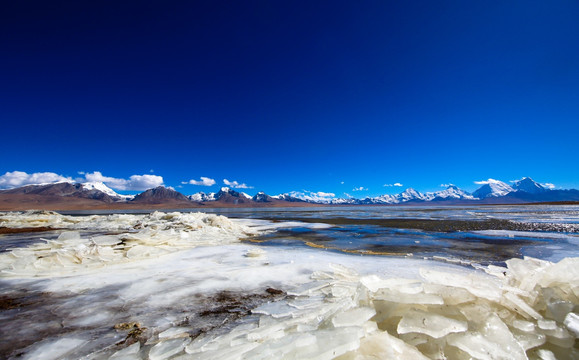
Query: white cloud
{"x":20,"y":178}
{"x":324,"y":194}
{"x":205,"y":181}
{"x":361,"y":188}
{"x":395,"y":184}
{"x":135,"y":182}
{"x":319,"y":196}
{"x":489,"y":181}
{"x":236,"y":185}
{"x":548,"y":185}
{"x":446,"y":185}
{"x":342,"y":183}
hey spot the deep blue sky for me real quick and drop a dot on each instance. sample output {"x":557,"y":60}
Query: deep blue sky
{"x":293,"y":95}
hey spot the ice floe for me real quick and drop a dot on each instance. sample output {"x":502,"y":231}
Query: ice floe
{"x":139,"y":237}
{"x":370,"y":318}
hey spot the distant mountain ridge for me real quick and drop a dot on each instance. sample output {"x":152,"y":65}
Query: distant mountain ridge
{"x":491,"y":191}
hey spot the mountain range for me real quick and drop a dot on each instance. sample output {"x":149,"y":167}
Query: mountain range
{"x":98,"y":195}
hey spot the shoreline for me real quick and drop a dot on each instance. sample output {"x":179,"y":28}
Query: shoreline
{"x":88,"y":205}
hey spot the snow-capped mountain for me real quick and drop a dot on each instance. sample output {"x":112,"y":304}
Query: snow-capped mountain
{"x":528,"y":185}
{"x":230,"y":196}
{"x":409,"y":195}
{"x":452,"y":192}
{"x":246,"y":195}
{"x":492,"y":191}
{"x":100,"y":186}
{"x":201,"y":197}
{"x":262,"y":197}
{"x":382,"y":199}
{"x":308,"y":196}
{"x":287,"y":197}
{"x":492,"y":188}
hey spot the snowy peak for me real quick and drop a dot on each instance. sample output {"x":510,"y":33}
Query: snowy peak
{"x":262,"y":197}
{"x":230,"y":196}
{"x":226,"y":191}
{"x":100,"y":186}
{"x":451,"y":192}
{"x":287,"y":197}
{"x":409,"y":195}
{"x":492,"y":188}
{"x":529,"y":185}
{"x":201,"y":197}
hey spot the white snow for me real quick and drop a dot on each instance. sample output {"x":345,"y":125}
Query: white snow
{"x":201,"y":196}
{"x":100,"y":186}
{"x":492,"y":188}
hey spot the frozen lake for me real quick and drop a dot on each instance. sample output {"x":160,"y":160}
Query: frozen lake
{"x":347,"y":282}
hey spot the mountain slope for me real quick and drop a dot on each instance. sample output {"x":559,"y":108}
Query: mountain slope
{"x":262,"y":197}
{"x":492,"y":188}
{"x":452,"y":192}
{"x":229,"y":196}
{"x":63,"y":189}
{"x":529,"y":186}
{"x":159,"y":195}
{"x":99,"y":186}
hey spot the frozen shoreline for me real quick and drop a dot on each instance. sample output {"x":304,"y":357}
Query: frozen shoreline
{"x":276,"y":302}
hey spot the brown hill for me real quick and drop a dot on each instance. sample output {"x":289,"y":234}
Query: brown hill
{"x":63,"y":189}
{"x":160,"y":195}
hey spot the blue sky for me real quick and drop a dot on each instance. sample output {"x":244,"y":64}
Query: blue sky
{"x":318,"y":96}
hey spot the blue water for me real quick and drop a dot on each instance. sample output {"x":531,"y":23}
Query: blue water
{"x":549,"y":232}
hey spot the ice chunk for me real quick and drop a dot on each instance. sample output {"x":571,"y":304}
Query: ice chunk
{"x":482,"y":286}
{"x":434,"y":325}
{"x":276,"y":309}
{"x":55,"y":349}
{"x":558,"y":309}
{"x":353,"y":317}
{"x":332,"y":343}
{"x":547,"y":324}
{"x":546,"y":355}
{"x":129,"y":353}
{"x":404,"y":298}
{"x":479,"y":347}
{"x":385,"y":346}
{"x":105,"y":240}
{"x":530,"y":340}
{"x":523,"y":325}
{"x":494,"y":341}
{"x":223,"y":353}
{"x":344,"y":273}
{"x":450,"y":295}
{"x":565,"y":271}
{"x":175,"y":332}
{"x":572,"y":323}
{"x":516,"y":304}
{"x":375,"y":283}
{"x":308,"y":288}
{"x":166,"y":349}
{"x":560,"y":337}
{"x":69,"y":235}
